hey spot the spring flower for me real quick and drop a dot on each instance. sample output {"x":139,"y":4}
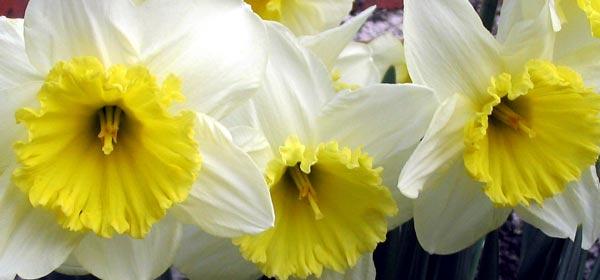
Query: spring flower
{"x":331,"y":156}
{"x":107,"y":143}
{"x":303,"y":17}
{"x":361,"y":64}
{"x":515,"y":130}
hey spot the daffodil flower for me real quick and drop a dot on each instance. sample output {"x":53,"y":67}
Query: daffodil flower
{"x":560,"y":215}
{"x":303,"y":17}
{"x":354,"y":64}
{"x":515,"y":130}
{"x":108,"y":133}
{"x":361,"y":64}
{"x":331,"y":157}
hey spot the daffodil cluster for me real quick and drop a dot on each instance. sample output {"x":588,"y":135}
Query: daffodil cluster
{"x":237,"y":139}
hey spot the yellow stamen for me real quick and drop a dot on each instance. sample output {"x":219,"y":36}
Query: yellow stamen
{"x":110,"y":117}
{"x":306,"y":189}
{"x":506,"y":115}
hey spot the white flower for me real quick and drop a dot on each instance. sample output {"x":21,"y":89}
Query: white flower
{"x":515,"y":131}
{"x":102,"y":153}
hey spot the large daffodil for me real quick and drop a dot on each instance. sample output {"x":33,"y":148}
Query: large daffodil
{"x":303,"y":17}
{"x":327,"y":158}
{"x":516,"y":130}
{"x":105,"y":136}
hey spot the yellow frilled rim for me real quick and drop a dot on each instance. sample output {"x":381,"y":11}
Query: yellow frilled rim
{"x":103,"y":151}
{"x":345,"y":219}
{"x":537,"y":133}
{"x":592,"y":11}
{"x":266,"y":9}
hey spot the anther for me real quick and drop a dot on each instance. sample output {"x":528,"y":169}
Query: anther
{"x":305,"y":189}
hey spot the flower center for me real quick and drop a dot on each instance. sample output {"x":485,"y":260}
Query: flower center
{"x":305,"y":189}
{"x":266,"y":9}
{"x":346,"y":220}
{"x":71,"y":165}
{"x":537,"y":133}
{"x":507,"y":116}
{"x":110,"y":117}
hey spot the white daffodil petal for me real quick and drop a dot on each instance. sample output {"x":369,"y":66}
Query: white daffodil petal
{"x":220,"y":67}
{"x":252,"y":142}
{"x":439,"y":149}
{"x":356,"y":67}
{"x":230,"y":196}
{"x":123,"y":257}
{"x":369,"y":111}
{"x":204,"y":256}
{"x":12,"y":99}
{"x":328,"y":45}
{"x":295,"y":87}
{"x":455,"y":213}
{"x":56,"y":31}
{"x":363,"y":270}
{"x":313,"y":16}
{"x":32,"y":243}
{"x":561,"y":214}
{"x":575,"y":34}
{"x":15,"y":68}
{"x":586,"y":62}
{"x":525,"y":32}
{"x":71,"y":267}
{"x":405,"y":209}
{"x":448,"y":49}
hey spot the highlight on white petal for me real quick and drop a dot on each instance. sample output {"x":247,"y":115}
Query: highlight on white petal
{"x":578,"y":205}
{"x":230,"y":196}
{"x":204,"y":256}
{"x":448,"y":48}
{"x":123,"y":257}
{"x":454,"y":213}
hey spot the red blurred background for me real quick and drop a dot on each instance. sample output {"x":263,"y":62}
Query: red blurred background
{"x":13,"y":8}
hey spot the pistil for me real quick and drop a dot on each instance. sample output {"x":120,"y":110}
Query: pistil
{"x":506,"y":115}
{"x":306,"y":189}
{"x":110,"y":117}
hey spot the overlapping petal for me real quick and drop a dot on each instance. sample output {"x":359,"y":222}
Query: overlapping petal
{"x":230,"y":196}
{"x":562,"y":214}
{"x":437,"y":34}
{"x":15,"y":69}
{"x":526,"y":32}
{"x":284,"y":107}
{"x":440,"y":148}
{"x":32,"y":243}
{"x":123,"y":257}
{"x":454,"y":213}
{"x":328,"y":45}
{"x":204,"y":256}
